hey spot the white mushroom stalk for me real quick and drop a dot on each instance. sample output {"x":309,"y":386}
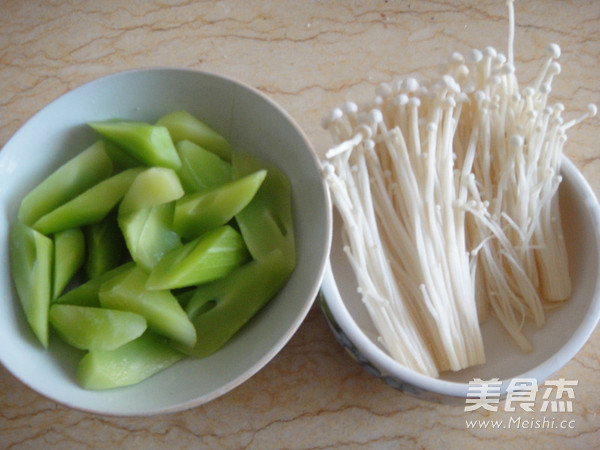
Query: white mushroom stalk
{"x":447,"y":189}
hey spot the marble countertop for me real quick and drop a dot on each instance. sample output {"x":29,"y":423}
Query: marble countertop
{"x":308,"y":56}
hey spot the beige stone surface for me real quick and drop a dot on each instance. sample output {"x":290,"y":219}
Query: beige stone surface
{"x":308,"y":56}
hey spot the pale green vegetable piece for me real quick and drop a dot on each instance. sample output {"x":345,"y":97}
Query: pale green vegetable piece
{"x":105,"y":246}
{"x":161,"y":309}
{"x":200,"y":168}
{"x":146,"y":215}
{"x":86,"y":294}
{"x":31,"y":255}
{"x":220,"y":308}
{"x":267,"y":222}
{"x":89,"y":328}
{"x":90,"y":206}
{"x":151,"y":187}
{"x":148,"y":234}
{"x":206,"y":258}
{"x":184,"y":126}
{"x":127,"y":365}
{"x":67,"y":182}
{"x":199,"y":212}
{"x":69,"y":256}
{"x":150,"y":144}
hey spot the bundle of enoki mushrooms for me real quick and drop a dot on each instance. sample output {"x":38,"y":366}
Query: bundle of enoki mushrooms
{"x":447,"y":189}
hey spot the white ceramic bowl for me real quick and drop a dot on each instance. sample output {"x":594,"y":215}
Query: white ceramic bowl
{"x":250,"y":121}
{"x":566,"y":331}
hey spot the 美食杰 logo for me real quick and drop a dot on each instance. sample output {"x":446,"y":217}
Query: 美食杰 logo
{"x":523,"y":395}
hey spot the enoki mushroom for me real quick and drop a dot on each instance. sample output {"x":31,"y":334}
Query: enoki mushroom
{"x":447,"y":189}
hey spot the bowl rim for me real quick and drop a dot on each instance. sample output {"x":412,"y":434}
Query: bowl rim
{"x":390,"y":368}
{"x":307,"y":303}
